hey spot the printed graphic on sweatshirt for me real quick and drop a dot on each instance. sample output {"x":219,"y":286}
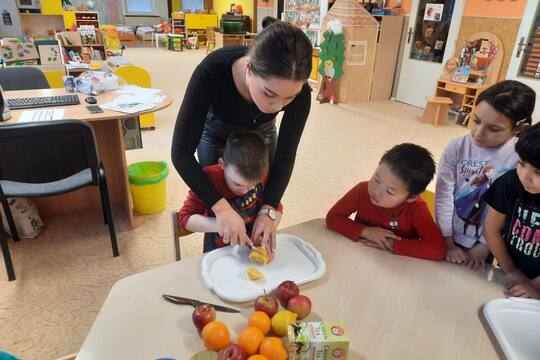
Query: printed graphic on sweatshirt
{"x":469,"y":200}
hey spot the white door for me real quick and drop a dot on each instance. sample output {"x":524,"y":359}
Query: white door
{"x":524,"y":65}
{"x":421,"y":68}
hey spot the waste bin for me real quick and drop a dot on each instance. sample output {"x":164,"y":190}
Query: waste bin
{"x":148,"y":185}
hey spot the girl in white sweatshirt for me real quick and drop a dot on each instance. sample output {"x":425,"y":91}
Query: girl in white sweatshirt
{"x":471,"y":163}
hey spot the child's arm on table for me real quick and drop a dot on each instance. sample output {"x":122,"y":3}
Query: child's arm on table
{"x":444,"y":202}
{"x":430,"y":244}
{"x":477,"y":256}
{"x":521,"y":286}
{"x":338,"y":219}
{"x":338,"y":216}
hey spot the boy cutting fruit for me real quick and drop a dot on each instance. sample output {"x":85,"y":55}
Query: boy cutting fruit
{"x":240,"y":177}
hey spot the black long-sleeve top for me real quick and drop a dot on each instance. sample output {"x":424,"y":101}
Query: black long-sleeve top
{"x":212,"y":88}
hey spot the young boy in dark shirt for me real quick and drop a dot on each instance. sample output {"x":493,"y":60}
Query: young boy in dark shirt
{"x":512,"y":225}
{"x":240,"y":177}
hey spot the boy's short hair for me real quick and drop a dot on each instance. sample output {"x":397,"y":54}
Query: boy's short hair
{"x":412,"y":164}
{"x":248,"y":153}
{"x":528,"y":145}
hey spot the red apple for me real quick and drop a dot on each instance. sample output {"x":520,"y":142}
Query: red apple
{"x":300,"y":305}
{"x":202,"y":315}
{"x":267,"y":304}
{"x":285,"y":291}
{"x":233,"y":352}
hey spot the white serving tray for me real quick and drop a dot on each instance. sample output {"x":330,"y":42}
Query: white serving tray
{"x":516,"y":325}
{"x":224,"y":270}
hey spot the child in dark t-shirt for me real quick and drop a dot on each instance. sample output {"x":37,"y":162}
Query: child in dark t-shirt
{"x":512,"y":225}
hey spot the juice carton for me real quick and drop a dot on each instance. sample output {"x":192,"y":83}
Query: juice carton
{"x":318,"y":341}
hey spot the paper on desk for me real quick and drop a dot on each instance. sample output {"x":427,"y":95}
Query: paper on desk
{"x":146,"y":98}
{"x":128,"y":107}
{"x":137,"y":90}
{"x":76,"y":65}
{"x":41,"y":115}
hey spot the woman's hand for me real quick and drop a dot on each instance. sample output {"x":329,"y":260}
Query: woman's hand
{"x":264,"y":232}
{"x":230,"y":225}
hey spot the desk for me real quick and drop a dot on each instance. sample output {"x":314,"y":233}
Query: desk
{"x":109,"y":136}
{"x":463,"y":95}
{"x":394,"y":307}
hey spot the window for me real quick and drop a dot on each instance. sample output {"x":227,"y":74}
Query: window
{"x":140,"y":6}
{"x":192,"y":5}
{"x":530,"y":65}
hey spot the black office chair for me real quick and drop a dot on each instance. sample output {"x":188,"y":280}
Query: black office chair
{"x":49,"y":158}
{"x":22,"y":78}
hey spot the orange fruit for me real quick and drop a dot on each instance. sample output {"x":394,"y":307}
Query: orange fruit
{"x":216,"y":335}
{"x":257,"y":357}
{"x":250,"y":339}
{"x":261,"y":321}
{"x":273,"y":348}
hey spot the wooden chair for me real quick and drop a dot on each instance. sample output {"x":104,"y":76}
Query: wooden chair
{"x":436,"y":111}
{"x":139,"y":76}
{"x":210,"y":39}
{"x":178,"y":232}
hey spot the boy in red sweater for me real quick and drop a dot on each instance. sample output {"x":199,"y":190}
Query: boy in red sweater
{"x":240,"y":177}
{"x":390,"y":215}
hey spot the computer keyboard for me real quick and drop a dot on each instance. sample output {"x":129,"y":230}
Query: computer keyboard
{"x":44,"y":101}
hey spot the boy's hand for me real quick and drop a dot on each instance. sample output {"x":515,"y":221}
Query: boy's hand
{"x":230,"y":225}
{"x":523,"y":288}
{"x":381,"y":238}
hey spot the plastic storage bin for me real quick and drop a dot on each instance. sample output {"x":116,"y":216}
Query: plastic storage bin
{"x":148,"y":186}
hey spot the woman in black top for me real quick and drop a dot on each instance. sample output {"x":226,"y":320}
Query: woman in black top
{"x":239,"y":87}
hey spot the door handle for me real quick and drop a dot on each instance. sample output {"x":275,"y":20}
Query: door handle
{"x":521,"y":46}
{"x":409,"y":34}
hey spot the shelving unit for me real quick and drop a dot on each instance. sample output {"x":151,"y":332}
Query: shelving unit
{"x":72,"y":41}
{"x":34,"y":24}
{"x":464,"y":94}
{"x":79,"y":18}
{"x":178,"y":23}
{"x":307,"y":15}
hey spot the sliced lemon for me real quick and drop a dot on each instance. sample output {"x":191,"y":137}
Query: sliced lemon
{"x":259,"y":256}
{"x":254,"y":274}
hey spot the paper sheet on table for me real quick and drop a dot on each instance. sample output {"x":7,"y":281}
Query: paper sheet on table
{"x":128,"y":107}
{"x":41,"y":115}
{"x":141,"y":98}
{"x":137,"y":90}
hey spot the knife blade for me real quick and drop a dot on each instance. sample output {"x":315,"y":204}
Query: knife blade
{"x":186,"y":301}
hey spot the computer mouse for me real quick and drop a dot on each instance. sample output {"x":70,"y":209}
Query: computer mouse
{"x":90,"y":100}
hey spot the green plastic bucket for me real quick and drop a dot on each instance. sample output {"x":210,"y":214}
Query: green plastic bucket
{"x":148,"y":186}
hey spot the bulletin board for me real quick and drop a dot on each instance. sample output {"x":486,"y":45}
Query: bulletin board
{"x":506,"y":29}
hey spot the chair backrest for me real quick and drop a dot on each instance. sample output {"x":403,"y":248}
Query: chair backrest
{"x":429,"y":198}
{"x":135,"y":75}
{"x":210,"y":34}
{"x":47,"y":151}
{"x":22,"y":78}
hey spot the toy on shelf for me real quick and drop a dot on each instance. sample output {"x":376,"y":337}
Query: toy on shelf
{"x":482,"y":54}
{"x":332,"y":58}
{"x":451,"y":65}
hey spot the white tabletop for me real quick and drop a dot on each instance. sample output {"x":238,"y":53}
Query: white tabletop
{"x":393,"y":307}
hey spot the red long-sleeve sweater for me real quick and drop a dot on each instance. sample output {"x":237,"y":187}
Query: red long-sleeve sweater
{"x":420,"y":236}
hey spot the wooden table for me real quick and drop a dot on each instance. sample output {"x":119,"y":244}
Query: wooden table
{"x":223,"y":40}
{"x":394,"y":307}
{"x":110,"y":140}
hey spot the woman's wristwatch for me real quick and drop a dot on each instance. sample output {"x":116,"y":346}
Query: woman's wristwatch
{"x":271,"y":213}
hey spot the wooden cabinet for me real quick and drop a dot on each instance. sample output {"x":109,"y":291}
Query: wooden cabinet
{"x":463,"y":96}
{"x":51,"y":7}
{"x":386,"y":56}
{"x":200,"y":21}
{"x":178,"y":22}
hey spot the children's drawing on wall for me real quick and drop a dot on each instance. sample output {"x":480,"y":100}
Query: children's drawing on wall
{"x":469,"y":200}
